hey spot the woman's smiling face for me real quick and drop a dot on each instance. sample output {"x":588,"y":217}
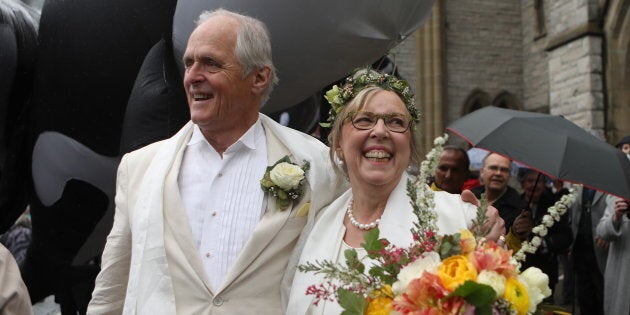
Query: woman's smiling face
{"x":376,"y":156}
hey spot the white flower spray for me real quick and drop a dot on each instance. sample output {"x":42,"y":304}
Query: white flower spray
{"x":554,"y":214}
{"x":423,"y":202}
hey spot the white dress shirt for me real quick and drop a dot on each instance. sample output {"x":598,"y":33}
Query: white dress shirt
{"x":223,"y":197}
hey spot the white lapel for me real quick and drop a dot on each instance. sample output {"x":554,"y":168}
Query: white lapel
{"x":149,"y":276}
{"x":322,"y":244}
{"x":398,"y":216}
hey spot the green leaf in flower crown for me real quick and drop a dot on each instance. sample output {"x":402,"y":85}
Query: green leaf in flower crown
{"x":352,"y":260}
{"x":479,"y":295}
{"x":352,"y":303}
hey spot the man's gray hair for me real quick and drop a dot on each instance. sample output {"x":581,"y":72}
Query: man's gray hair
{"x":253,"y":46}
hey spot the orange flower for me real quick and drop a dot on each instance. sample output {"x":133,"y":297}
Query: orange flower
{"x":422,"y":293}
{"x":492,"y":257}
{"x":467,"y":241}
{"x":456,"y":270}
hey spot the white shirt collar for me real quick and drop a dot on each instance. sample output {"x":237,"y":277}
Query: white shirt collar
{"x":248,"y":139}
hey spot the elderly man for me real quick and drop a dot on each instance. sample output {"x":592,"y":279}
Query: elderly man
{"x":194,"y":233}
{"x":452,"y":170}
{"x":495,"y":175}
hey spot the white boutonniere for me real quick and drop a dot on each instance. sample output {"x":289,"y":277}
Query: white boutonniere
{"x":284,"y":181}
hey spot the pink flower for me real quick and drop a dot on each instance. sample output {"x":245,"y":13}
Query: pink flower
{"x":492,"y":257}
{"x":425,"y":296}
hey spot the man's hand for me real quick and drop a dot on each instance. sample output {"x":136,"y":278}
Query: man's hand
{"x":495,"y":224}
{"x":522,"y":225}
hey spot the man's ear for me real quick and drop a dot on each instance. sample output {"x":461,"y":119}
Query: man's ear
{"x":262,"y":79}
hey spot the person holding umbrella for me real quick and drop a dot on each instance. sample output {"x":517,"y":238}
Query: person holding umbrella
{"x":558,"y":238}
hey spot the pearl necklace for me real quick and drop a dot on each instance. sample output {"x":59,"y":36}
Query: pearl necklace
{"x":356,"y":223}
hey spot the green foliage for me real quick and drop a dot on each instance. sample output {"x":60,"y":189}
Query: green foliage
{"x":479,"y":295}
{"x":450,"y":246}
{"x":481,"y":219}
{"x":372,"y":244}
{"x":352,"y":303}
{"x":352,"y":260}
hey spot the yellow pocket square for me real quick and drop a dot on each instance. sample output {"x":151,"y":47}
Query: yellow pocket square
{"x":303,"y":210}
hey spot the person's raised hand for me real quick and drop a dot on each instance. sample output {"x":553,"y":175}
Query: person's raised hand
{"x":621,"y":208}
{"x":495,"y":226}
{"x":601,"y":243}
{"x":523,"y":225}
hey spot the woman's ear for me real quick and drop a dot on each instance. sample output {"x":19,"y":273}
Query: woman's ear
{"x":339,"y":154}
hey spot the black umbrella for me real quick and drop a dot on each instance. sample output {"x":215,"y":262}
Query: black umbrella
{"x":550,"y":144}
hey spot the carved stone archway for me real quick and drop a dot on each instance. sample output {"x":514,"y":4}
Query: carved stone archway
{"x":476,"y":99}
{"x":507,"y":100}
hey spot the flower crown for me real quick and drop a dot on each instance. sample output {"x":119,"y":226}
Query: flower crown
{"x":338,"y":97}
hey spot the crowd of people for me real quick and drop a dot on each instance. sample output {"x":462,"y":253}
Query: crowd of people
{"x":591,"y":238}
{"x":194,"y":233}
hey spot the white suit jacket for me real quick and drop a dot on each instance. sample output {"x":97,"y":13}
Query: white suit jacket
{"x":150,"y":264}
{"x":325,"y":239}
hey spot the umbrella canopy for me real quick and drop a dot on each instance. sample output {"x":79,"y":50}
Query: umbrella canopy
{"x":550,"y":144}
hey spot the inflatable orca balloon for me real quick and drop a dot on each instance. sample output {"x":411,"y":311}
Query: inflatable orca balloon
{"x":315,"y":43}
{"x":18,"y":49}
{"x":89,"y":58}
{"x":107,"y":81}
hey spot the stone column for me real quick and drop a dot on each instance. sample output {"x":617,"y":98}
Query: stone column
{"x":575,"y":63}
{"x":430,"y":91}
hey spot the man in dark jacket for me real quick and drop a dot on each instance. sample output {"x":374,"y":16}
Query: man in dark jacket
{"x":495,"y":175}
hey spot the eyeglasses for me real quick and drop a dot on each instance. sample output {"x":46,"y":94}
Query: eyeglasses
{"x":367,"y":120}
{"x":495,"y":168}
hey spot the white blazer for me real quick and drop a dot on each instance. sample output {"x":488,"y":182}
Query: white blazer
{"x":150,"y":264}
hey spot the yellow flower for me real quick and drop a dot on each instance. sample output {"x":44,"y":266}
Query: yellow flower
{"x":381,"y":302}
{"x":456,"y":270}
{"x":517,"y":295}
{"x":467,"y":241}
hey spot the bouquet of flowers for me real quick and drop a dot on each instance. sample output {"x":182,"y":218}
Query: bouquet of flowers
{"x":437,"y":274}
